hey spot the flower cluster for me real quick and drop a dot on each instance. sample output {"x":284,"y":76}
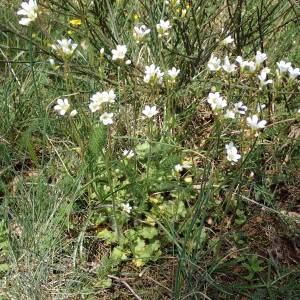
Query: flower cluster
{"x":286,"y":67}
{"x":100,"y":98}
{"x":154,"y":76}
{"x":29,"y":10}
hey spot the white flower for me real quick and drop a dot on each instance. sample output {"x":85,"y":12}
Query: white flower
{"x":101,"y":51}
{"x":240,"y":108}
{"x":128,"y":62}
{"x":216,"y":101}
{"x":94,"y":106}
{"x":228,"y":67}
{"x":260,"y":107}
{"x":228,"y":40}
{"x":255,"y":124}
{"x":245,"y":64}
{"x":178,"y":168}
{"x":29,"y":10}
{"x":294,"y":72}
{"x":232,"y":153}
{"x":214,"y":63}
{"x":140,"y":32}
{"x":260,"y":58}
{"x":173,"y":73}
{"x":128,"y":153}
{"x":153,"y":75}
{"x":149,"y":112}
{"x":283,"y":66}
{"x":64,"y":47}
{"x":102,"y":97}
{"x":126,"y":207}
{"x":73,"y":113}
{"x":62,"y":106}
{"x":162,"y":28}
{"x":106,"y":118}
{"x":263,"y":76}
{"x":99,"y":98}
{"x":119,"y":52}
{"x":172,"y":2}
{"x":229,"y":114}
{"x":51,"y":61}
{"x":110,"y":96}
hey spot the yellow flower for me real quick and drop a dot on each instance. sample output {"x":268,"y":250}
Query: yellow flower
{"x":75,"y":22}
{"x":188,"y":179}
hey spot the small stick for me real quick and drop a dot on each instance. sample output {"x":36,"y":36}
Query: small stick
{"x":127,"y":285}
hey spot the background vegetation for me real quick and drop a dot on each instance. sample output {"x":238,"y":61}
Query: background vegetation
{"x":208,"y":229}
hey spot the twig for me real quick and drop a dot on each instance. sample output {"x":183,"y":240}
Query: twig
{"x":127,"y":285}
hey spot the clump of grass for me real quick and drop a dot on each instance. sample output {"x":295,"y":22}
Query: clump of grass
{"x":136,"y":134}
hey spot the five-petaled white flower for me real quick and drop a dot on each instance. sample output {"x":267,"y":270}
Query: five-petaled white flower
{"x":245,"y":64}
{"x":106,"y":118}
{"x":173,"y":74}
{"x":126,"y":207}
{"x":227,"y":66}
{"x":140,"y":32}
{"x":179,"y":167}
{"x":283,"y":66}
{"x":64,"y":47}
{"x":119,"y":53}
{"x":29,"y":10}
{"x":149,"y":111}
{"x":216,"y":101}
{"x":62,"y":106}
{"x":232,"y":153}
{"x":263,"y":77}
{"x":128,"y":153}
{"x":162,"y":28}
{"x":260,"y":58}
{"x":228,"y":40}
{"x":255,"y":124}
{"x":240,"y":108}
{"x":153,"y":75}
{"x":260,"y":107}
{"x":293,"y":72}
{"x":229,"y":114}
{"x":214,"y":63}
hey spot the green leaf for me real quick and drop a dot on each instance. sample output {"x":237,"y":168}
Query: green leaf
{"x":148,"y":232}
{"x":142,"y":150}
{"x":118,"y":253}
{"x":107,"y":235}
